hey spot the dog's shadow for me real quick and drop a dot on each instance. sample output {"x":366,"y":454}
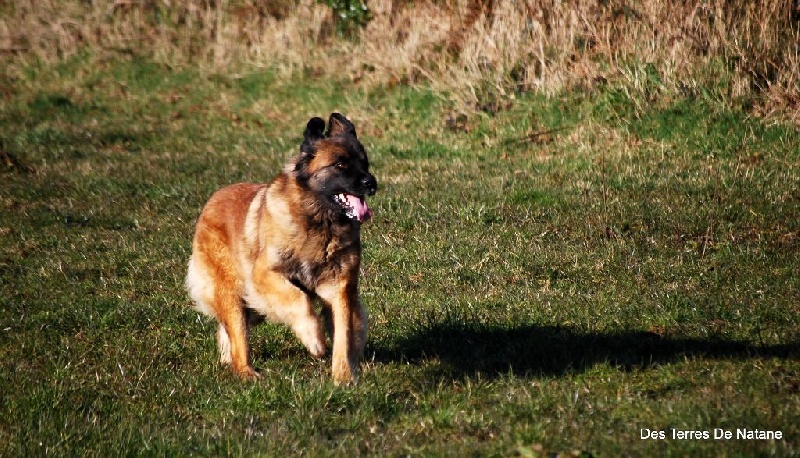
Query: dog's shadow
{"x":466,"y":350}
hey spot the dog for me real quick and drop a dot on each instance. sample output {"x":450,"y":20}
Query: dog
{"x":269,"y":250}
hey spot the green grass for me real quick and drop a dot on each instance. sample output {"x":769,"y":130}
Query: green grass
{"x":553,"y":277}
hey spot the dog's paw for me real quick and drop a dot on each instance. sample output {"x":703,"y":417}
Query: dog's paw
{"x":247,"y":373}
{"x":316,"y":348}
{"x":343,"y":375}
{"x":311,"y":336}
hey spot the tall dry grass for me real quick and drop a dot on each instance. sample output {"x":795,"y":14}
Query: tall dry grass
{"x":472,"y":49}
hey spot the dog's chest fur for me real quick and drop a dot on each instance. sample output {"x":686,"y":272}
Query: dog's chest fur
{"x":323,"y":256}
{"x":317,"y":245}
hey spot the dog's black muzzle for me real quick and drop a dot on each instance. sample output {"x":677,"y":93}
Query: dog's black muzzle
{"x":369,"y":185}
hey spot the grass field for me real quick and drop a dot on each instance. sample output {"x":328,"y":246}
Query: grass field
{"x":552,"y":275}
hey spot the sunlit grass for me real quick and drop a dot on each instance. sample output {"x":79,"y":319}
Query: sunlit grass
{"x":550,"y":277}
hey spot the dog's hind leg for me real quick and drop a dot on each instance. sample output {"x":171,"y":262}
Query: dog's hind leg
{"x":224,"y":343}
{"x":206,"y":286}
{"x":213,"y":284}
{"x":252,"y":318}
{"x":233,"y":333}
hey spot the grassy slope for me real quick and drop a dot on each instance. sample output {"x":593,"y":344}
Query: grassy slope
{"x":632,"y":264}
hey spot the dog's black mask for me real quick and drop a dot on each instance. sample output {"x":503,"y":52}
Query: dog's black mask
{"x":333,"y":163}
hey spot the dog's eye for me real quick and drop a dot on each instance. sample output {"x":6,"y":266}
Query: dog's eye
{"x":341,"y":165}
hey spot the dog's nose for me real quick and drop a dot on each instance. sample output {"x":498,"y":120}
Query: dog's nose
{"x":369,"y":184}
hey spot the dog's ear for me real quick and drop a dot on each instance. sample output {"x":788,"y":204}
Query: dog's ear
{"x":339,"y":125}
{"x":314,"y":131}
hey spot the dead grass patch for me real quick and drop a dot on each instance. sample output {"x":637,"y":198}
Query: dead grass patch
{"x":473,"y":50}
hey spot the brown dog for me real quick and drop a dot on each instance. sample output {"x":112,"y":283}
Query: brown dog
{"x":266,"y":250}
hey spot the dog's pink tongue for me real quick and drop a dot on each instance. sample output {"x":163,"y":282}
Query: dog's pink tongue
{"x":359,"y":206}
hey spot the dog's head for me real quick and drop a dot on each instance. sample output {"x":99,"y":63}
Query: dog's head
{"x":333,"y":164}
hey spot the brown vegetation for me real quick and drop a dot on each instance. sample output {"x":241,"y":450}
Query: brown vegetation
{"x":470,"y":48}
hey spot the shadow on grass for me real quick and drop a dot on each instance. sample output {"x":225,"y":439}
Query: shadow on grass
{"x":557,"y":350}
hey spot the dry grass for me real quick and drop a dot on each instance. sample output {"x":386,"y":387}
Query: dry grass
{"x":473,"y":50}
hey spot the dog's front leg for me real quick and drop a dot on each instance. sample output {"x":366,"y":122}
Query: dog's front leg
{"x":349,"y":329}
{"x":272,"y":295}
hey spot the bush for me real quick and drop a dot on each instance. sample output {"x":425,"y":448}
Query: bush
{"x":348,"y":15}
